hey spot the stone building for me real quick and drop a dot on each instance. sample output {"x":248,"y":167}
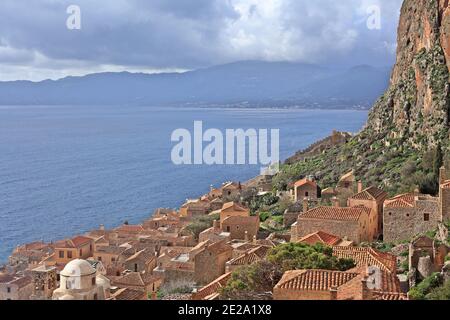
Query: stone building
{"x":210,"y":262}
{"x":239,"y":227}
{"x":44,"y":282}
{"x":214,"y":234}
{"x":195,"y":208}
{"x":426,"y":256}
{"x":141,"y":281}
{"x":408,"y":215}
{"x":367,"y":257}
{"x":232,"y":209}
{"x":372,"y":198}
{"x":347,"y":183}
{"x":349,"y":223}
{"x":251,"y":256}
{"x":211,"y":290}
{"x":80,"y":247}
{"x":306,"y":188}
{"x":142,"y":261}
{"x":15,"y":287}
{"x":79,"y":281}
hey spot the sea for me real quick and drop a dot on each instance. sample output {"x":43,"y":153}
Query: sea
{"x":65,"y":170}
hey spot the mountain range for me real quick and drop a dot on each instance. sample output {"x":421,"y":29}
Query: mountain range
{"x":245,"y":82}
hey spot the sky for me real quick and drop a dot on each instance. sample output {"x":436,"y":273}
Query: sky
{"x":178,"y":35}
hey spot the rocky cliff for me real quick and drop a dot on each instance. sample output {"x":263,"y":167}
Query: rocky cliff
{"x":410,"y":121}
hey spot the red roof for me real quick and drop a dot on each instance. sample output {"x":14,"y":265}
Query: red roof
{"x":371,"y":193}
{"x":336,"y":213}
{"x":321,"y":237}
{"x":401,"y":201}
{"x":305,"y":181}
{"x":366,"y":256}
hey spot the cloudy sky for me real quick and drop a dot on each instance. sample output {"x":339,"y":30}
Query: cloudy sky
{"x":177,"y":35}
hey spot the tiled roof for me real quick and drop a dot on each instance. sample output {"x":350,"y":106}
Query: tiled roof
{"x":317,"y":280}
{"x":391,"y":296}
{"x":233,"y":205}
{"x":401,"y":201}
{"x":249,"y":257}
{"x":336,"y":213}
{"x":144,"y":255}
{"x":218,"y":247}
{"x":130,"y":228}
{"x":305,"y":181}
{"x":136,"y":279}
{"x":211,"y":290}
{"x":321,"y":237}
{"x":129,"y":294}
{"x":446,"y":184}
{"x":367,"y":257}
{"x":371,"y":193}
{"x":110,"y":249}
{"x":73,"y":243}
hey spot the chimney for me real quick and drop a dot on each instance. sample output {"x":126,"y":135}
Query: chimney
{"x":102,"y":227}
{"x":366,"y":293}
{"x":360,"y":186}
{"x":254,"y":239}
{"x":305,"y":205}
{"x":211,"y":188}
{"x":335,"y":202}
{"x":246,"y":236}
{"x":333,"y":293}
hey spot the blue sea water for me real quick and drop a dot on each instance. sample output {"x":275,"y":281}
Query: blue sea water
{"x":65,"y":170}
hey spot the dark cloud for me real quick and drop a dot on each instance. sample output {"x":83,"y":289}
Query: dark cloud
{"x":187,"y":34}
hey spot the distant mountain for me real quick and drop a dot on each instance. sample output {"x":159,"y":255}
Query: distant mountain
{"x":246,"y":81}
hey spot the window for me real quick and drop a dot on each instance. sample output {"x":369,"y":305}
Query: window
{"x":95,"y":297}
{"x":135,"y":267}
{"x":61,"y":254}
{"x":69,"y":254}
{"x":113,"y":259}
{"x":81,"y":252}
{"x":8,"y":290}
{"x":426,"y":217}
{"x":228,"y":229}
{"x":99,"y":258}
{"x":93,"y":281}
{"x":407,"y":215}
{"x":306,"y":194}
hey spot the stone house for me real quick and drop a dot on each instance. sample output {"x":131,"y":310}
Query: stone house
{"x":372,"y":198}
{"x":15,"y":287}
{"x":108,"y":255}
{"x":351,"y":223}
{"x":232,"y":209}
{"x":45,"y":281}
{"x":347,"y":183}
{"x":142,"y":261}
{"x":408,"y":215}
{"x":231,"y":190}
{"x":80,"y":247}
{"x":305,"y":188}
{"x":142,"y":281}
{"x":214,"y":234}
{"x":240,"y":227}
{"x":127,"y":294}
{"x":210,"y":262}
{"x":426,"y":256}
{"x":195,"y":208}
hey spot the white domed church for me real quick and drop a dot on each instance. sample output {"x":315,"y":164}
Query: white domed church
{"x":79,"y":281}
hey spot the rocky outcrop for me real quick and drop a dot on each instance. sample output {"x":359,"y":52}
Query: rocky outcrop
{"x":416,"y":107}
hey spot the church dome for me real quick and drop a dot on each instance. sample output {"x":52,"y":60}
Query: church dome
{"x":78,"y":268}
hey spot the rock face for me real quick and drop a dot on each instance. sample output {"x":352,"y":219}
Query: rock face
{"x":416,"y":107}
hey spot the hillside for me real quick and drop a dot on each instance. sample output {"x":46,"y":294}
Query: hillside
{"x":406,"y":137}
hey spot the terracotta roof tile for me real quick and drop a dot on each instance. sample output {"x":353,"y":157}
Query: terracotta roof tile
{"x":364,"y":256}
{"x":371,"y":193}
{"x":211,"y":290}
{"x":446,"y":184}
{"x":317,"y":280}
{"x":305,"y":181}
{"x":129,"y":294}
{"x":335,"y":213}
{"x":249,"y":257}
{"x":321,"y":237}
{"x":401,"y":201}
